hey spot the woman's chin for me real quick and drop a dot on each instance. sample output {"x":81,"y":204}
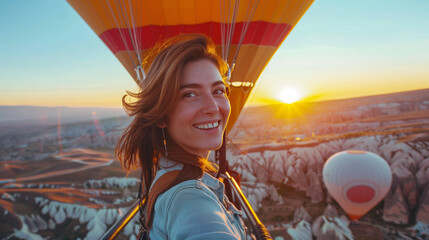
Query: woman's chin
{"x":213,"y":146}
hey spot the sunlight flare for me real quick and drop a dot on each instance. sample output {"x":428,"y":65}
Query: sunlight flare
{"x":289,"y":95}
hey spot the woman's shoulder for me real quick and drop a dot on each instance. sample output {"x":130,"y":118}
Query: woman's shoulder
{"x":206,"y":183}
{"x":195,"y":193}
{"x":187,"y":189}
{"x":196,"y":205}
{"x":206,"y":188}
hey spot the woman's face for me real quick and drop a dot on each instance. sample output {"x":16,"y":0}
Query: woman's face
{"x":199,"y":118}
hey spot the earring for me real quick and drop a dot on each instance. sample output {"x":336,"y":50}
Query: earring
{"x":165,"y":142}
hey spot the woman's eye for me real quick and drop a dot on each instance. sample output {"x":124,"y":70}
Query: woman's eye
{"x":220,"y":91}
{"x":189,"y":95}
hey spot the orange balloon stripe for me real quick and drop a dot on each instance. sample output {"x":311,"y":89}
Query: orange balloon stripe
{"x":258,"y":33}
{"x":102,"y":15}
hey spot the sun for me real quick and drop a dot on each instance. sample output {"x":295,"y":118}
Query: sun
{"x":289,"y":95}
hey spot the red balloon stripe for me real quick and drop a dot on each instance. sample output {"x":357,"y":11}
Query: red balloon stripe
{"x":258,"y":33}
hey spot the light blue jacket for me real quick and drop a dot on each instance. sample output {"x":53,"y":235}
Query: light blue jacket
{"x":194,"y":209}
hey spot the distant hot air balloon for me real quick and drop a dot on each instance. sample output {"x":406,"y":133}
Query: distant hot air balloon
{"x":357,"y":180}
{"x":247,"y":32}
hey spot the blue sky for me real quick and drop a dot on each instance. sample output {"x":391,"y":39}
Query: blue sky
{"x":339,"y":49}
{"x":48,"y":54}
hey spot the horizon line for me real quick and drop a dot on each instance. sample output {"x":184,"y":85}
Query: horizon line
{"x":273,"y":101}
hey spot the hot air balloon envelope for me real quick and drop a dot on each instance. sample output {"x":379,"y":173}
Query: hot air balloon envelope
{"x":357,"y":180}
{"x":247,"y":33}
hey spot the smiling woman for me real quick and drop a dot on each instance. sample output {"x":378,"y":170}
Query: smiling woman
{"x":181,"y":113}
{"x":289,"y":95}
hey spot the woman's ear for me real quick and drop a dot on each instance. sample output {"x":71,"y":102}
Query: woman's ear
{"x":162,"y":124}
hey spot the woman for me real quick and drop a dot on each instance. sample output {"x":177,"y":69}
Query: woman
{"x":180,"y":116}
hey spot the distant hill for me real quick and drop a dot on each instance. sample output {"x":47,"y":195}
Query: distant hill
{"x":44,"y":116}
{"x":305,"y":109}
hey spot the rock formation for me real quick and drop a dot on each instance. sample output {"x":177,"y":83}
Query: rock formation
{"x":300,"y":231}
{"x":404,"y":178}
{"x":25,"y":233}
{"x":404,"y":159}
{"x":330,"y":211}
{"x":328,"y":228}
{"x":423,"y":209}
{"x":388,"y":150}
{"x":314,"y":191}
{"x":30,"y":223}
{"x":40,"y":223}
{"x":422,"y":230}
{"x":297,"y":174}
{"x":301,"y":214}
{"x":51,"y":224}
{"x":422,"y":174}
{"x":395,"y":208}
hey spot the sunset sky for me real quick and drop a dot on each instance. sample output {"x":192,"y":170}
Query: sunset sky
{"x":339,"y":49}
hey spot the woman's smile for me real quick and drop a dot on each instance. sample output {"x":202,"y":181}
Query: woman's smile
{"x":208,"y":126}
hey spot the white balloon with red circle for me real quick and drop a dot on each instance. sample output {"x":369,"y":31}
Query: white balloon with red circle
{"x":357,"y":180}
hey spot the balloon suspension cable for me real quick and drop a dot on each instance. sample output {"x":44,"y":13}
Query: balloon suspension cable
{"x":124,"y":39}
{"x":232,"y":26}
{"x":229,"y":29}
{"x":131,"y":34}
{"x":223,"y":26}
{"x":136,"y":41}
{"x":244,"y":28}
{"x":227,"y":26}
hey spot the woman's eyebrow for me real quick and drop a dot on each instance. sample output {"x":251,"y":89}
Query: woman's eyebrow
{"x":219,"y":82}
{"x":196,"y":85}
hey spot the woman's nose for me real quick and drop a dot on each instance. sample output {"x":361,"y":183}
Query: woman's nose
{"x":209,"y":104}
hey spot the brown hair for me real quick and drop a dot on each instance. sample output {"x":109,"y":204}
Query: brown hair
{"x":142,"y":142}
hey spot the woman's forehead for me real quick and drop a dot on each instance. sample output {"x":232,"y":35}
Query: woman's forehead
{"x":201,"y":72}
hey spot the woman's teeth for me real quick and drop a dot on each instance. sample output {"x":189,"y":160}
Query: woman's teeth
{"x":207,"y":126}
